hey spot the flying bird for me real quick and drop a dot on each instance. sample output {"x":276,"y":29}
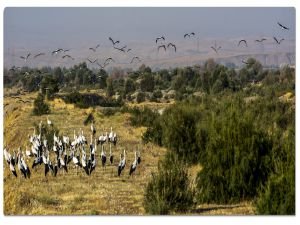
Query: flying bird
{"x":172,"y":45}
{"x":261,"y":40}
{"x":25,"y":57}
{"x":92,"y":61}
{"x":189,"y":34}
{"x":108,"y":60}
{"x":244,"y":41}
{"x":216,"y":49}
{"x":67,"y":56}
{"x":128,"y":49}
{"x":94,"y":49}
{"x":37,"y":55}
{"x":282,"y":26}
{"x":121,"y":49}
{"x":278,"y":42}
{"x":57,"y":51}
{"x":161,"y":46}
{"x":113,"y":42}
{"x":137,"y":58}
{"x":162,"y":37}
{"x":102,"y":67}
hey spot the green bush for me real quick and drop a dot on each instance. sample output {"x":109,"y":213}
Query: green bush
{"x":140,"y":97}
{"x":278,"y":196}
{"x":142,"y":117}
{"x":237,"y":159}
{"x":169,"y":190}
{"x":179,"y":131}
{"x":39,"y":106}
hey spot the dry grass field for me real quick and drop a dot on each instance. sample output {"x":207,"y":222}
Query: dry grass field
{"x":102,"y":193}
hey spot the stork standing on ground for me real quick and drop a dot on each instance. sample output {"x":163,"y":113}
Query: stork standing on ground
{"x":103,"y":156}
{"x":122,"y":163}
{"x":133,"y":165}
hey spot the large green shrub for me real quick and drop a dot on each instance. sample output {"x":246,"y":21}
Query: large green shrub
{"x":237,"y":159}
{"x":169,"y":190}
{"x":39,"y":106}
{"x":278,"y":196}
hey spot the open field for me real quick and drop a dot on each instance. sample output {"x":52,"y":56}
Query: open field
{"x":78,"y":194}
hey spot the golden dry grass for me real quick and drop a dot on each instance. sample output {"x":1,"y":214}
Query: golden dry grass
{"x":73,"y":193}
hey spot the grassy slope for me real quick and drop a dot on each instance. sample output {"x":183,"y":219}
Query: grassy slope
{"x":101,"y":193}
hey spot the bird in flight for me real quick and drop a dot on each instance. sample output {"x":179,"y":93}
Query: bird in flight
{"x":278,"y":42}
{"x":161,"y":46}
{"x":57,"y":51}
{"x":172,"y":45}
{"x":216,"y":49}
{"x":25,"y":57}
{"x":261,"y":40}
{"x":244,"y":41}
{"x":121,"y":49}
{"x":95,"y":48}
{"x":67,"y":56}
{"x":137,"y":58}
{"x":128,"y":49}
{"x":14,"y":68}
{"x":113,"y":42}
{"x":189,"y":34}
{"x":37,"y":55}
{"x":108,"y":60}
{"x":102,"y":67}
{"x":92,"y":61}
{"x":159,"y":38}
{"x":282,"y":26}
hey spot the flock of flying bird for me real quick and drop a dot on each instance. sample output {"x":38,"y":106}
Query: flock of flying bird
{"x":160,"y":42}
{"x":79,"y":152}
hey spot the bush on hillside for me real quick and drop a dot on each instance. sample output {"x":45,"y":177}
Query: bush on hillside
{"x":40,"y":107}
{"x":169,"y":190}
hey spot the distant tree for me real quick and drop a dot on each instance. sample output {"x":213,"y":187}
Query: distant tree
{"x":49,"y":85}
{"x":109,"y":88}
{"x":129,"y":86}
{"x":140,"y":97}
{"x":147,"y":82}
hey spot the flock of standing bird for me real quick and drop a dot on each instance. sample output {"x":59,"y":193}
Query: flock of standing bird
{"x":161,"y":43}
{"x":77,"y":152}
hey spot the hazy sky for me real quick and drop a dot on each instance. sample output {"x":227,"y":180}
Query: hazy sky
{"x":55,"y":26}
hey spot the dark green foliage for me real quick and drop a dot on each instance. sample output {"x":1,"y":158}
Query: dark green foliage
{"x":278,"y":196}
{"x":147,"y":82}
{"x":169,"y":190}
{"x":154,"y":133}
{"x":109,"y":87}
{"x":237,"y":159}
{"x":129,"y":86}
{"x":39,"y":106}
{"x":179,"y":131}
{"x":49,"y":86}
{"x":140,"y":97}
{"x":90,"y":118}
{"x":90,"y":100}
{"x":157,"y":94}
{"x":142,"y":117}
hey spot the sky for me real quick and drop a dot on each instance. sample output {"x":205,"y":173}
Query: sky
{"x":22,"y":25}
{"x":52,"y":27}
